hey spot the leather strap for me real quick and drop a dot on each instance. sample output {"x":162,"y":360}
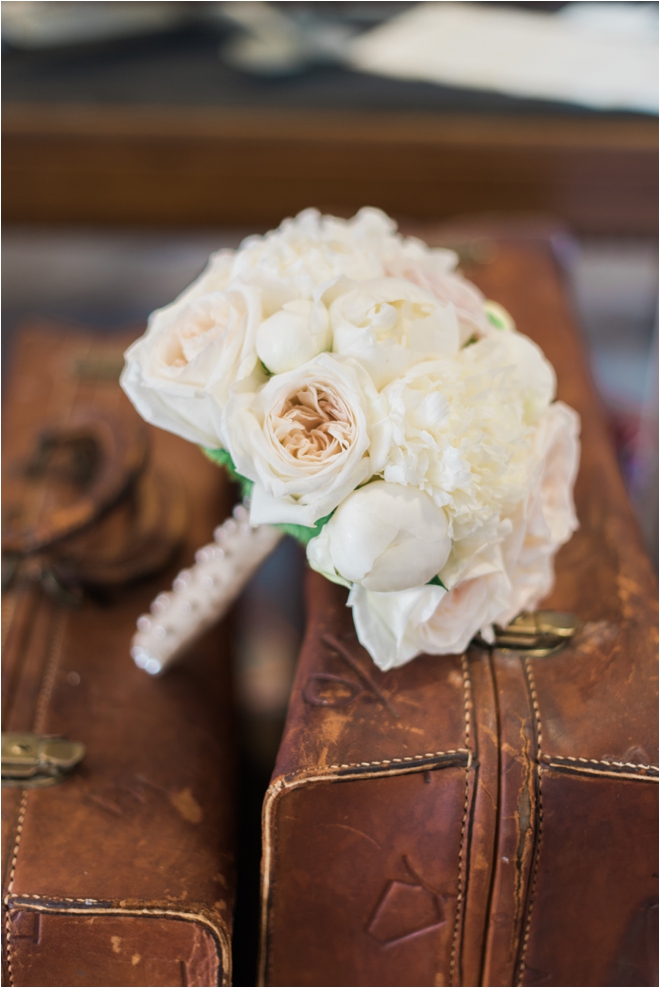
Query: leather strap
{"x":111,"y":450}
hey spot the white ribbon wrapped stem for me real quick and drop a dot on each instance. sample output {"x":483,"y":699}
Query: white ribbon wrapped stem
{"x":202,"y":595}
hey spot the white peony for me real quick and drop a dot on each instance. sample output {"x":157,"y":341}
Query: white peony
{"x":307,"y":438}
{"x":396,"y":627}
{"x":433,"y":270}
{"x":384,"y":537}
{"x":389,"y":324}
{"x":312,"y":250}
{"x":462,"y":428}
{"x":294,"y":335}
{"x":179,"y":374}
{"x":386,"y":623}
{"x":511,"y":571}
{"x":546,"y":518}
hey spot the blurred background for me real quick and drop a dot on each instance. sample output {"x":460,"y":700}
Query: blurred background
{"x":138,"y":137}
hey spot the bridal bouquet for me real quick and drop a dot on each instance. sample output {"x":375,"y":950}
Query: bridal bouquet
{"x":374,"y":405}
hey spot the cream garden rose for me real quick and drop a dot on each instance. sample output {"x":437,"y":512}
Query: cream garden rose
{"x":383,"y":537}
{"x":389,"y":324}
{"x":180,"y":373}
{"x":434,"y":271}
{"x":307,"y":439}
{"x":284,"y":274}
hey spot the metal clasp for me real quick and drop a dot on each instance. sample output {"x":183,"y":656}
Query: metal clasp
{"x":36,"y":760}
{"x":537,"y":633}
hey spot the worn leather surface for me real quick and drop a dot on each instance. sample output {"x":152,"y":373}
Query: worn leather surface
{"x":123,"y":873}
{"x":86,"y":950}
{"x":106,"y":453}
{"x":501,"y":830}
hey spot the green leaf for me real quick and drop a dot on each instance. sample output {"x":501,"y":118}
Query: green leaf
{"x":223,"y":459}
{"x":436,"y":582}
{"x":494,"y":320}
{"x":301,"y":533}
{"x":304,"y":533}
{"x":498,"y":316}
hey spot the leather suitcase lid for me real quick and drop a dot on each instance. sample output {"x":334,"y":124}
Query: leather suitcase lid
{"x":539,"y":770}
{"x":596,"y":696}
{"x":144,"y":826}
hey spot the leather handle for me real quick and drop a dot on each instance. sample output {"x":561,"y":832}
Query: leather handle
{"x":120,"y":452}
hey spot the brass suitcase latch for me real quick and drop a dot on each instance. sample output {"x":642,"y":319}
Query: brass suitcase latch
{"x":36,"y":760}
{"x":537,"y":633}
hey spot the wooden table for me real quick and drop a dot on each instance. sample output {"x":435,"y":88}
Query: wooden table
{"x":190,"y":165}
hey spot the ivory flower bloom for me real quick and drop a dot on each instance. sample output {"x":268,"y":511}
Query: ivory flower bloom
{"x":512,"y":571}
{"x":360,"y":382}
{"x":294,"y":335}
{"x":396,"y":627}
{"x":307,"y":438}
{"x":462,"y":428}
{"x":179,"y":374}
{"x":384,"y":537}
{"x":312,"y":250}
{"x":546,"y":519}
{"x":433,"y":270}
{"x":389,"y":324}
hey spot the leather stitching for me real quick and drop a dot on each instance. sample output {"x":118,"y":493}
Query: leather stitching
{"x":51,"y":906}
{"x":10,"y":885}
{"x":322,"y":773}
{"x":599,"y":761}
{"x":597,"y":773}
{"x":539,"y":841}
{"x":47,"y":684}
{"x":393,"y":761}
{"x":50,"y":672}
{"x":467,"y":706}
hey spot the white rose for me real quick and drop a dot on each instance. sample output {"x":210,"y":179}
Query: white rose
{"x":309,"y":251}
{"x":294,"y":335}
{"x":307,"y":439}
{"x":478,"y":553}
{"x":510,"y":571}
{"x":546,"y":519}
{"x":462,"y":428}
{"x":179,"y":374}
{"x":433,"y":270}
{"x":396,"y":627}
{"x":389,"y":324}
{"x":384,"y":537}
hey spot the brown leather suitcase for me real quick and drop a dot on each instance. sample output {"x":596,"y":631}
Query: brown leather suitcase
{"x":490,"y":818}
{"x":122,"y":873}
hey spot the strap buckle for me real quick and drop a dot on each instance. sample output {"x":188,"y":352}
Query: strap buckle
{"x":37,"y":760}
